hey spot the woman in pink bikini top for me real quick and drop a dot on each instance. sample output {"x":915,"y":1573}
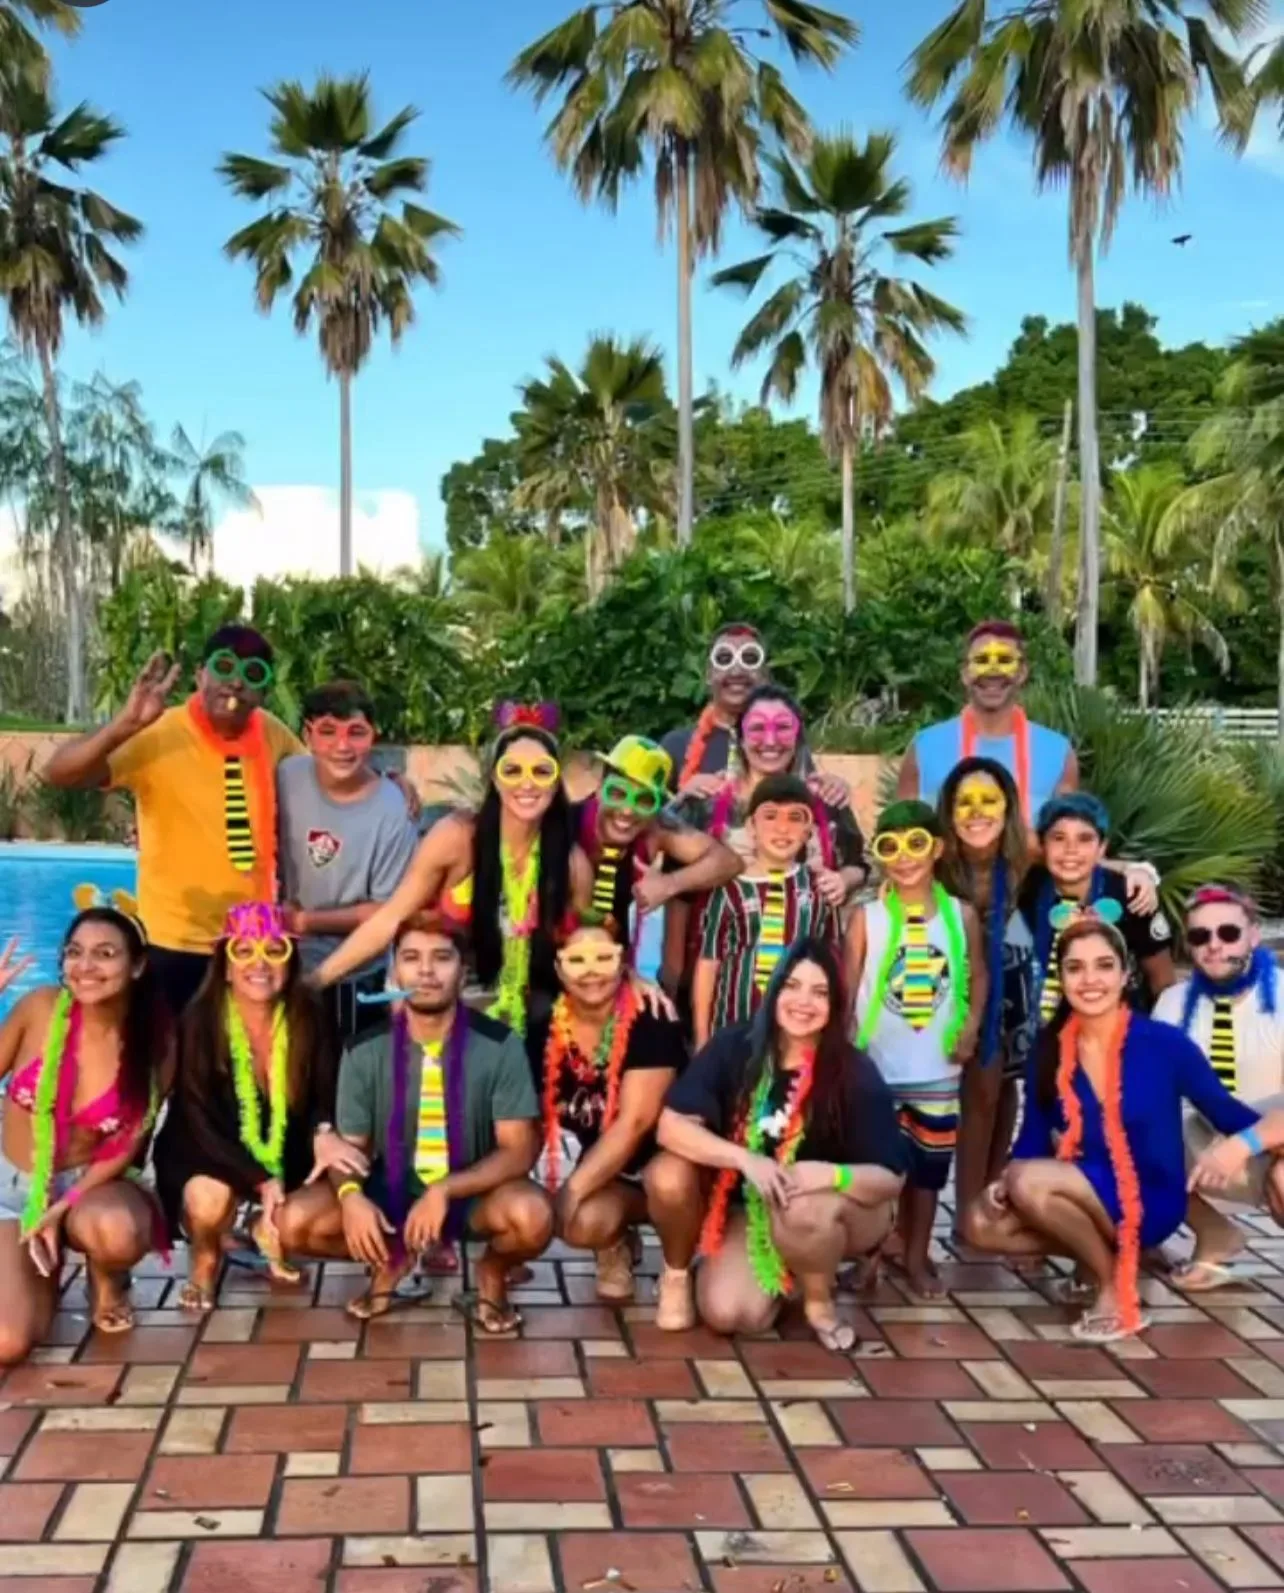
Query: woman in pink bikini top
{"x":87,"y":1063}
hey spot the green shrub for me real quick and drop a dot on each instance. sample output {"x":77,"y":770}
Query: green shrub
{"x":68,"y":815}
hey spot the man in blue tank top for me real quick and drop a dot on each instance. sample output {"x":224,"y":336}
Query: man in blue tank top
{"x":992,"y":725}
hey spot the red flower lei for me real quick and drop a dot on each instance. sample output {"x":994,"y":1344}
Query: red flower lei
{"x":714,"y":1228}
{"x":561,"y":1042}
{"x":1122,"y":1164}
{"x":705,"y":727}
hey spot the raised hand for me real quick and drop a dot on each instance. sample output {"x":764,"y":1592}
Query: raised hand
{"x":146,"y":701}
{"x":12,"y":965}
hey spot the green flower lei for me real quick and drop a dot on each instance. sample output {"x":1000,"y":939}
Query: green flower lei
{"x":765,"y":1261}
{"x":269,"y":1153}
{"x":951,"y":916}
{"x":521,"y":913}
{"x":44,"y":1150}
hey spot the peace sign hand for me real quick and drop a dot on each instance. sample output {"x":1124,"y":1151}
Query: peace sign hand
{"x":146,"y":701}
{"x":12,"y":966}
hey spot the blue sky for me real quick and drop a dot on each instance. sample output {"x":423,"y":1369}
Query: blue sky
{"x":535,"y":272}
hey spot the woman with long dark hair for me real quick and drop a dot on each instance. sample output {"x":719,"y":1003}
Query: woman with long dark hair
{"x":88,"y":1061}
{"x":785,"y":1136}
{"x":1098,"y":1171}
{"x":510,"y":871}
{"x":984,"y":861}
{"x":251,"y":1121}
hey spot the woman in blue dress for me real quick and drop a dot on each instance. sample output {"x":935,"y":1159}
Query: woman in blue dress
{"x":1098,"y":1170}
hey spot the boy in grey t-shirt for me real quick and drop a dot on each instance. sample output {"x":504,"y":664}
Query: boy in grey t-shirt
{"x":345,"y":836}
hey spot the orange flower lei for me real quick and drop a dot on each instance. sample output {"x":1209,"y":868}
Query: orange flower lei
{"x":714,"y":1228}
{"x":1128,"y":1266}
{"x":561,"y":1042}
{"x":705,"y":727}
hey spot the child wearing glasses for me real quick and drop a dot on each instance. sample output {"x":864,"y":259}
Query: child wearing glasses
{"x":346,"y":840}
{"x":752,"y":921}
{"x":251,"y":1120}
{"x":202,"y":776}
{"x":916,"y":962}
{"x":624,"y":830}
{"x":1231,"y":1007}
{"x":602,"y":1064}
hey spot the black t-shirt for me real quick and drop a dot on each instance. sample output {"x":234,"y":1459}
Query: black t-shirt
{"x":869,"y":1136}
{"x":653,"y":1043}
{"x":1145,"y":934}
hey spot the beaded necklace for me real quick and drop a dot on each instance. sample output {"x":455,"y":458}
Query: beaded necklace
{"x":269,"y":1152}
{"x":521,"y":914}
{"x":765,"y":1261}
{"x":607,"y":1059}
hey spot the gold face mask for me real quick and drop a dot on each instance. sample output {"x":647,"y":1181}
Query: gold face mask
{"x":979,"y":798}
{"x":995,"y":658}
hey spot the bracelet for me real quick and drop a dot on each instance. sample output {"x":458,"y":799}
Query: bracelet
{"x":1253,"y":1139}
{"x":349,"y":1187}
{"x":843,"y":1179}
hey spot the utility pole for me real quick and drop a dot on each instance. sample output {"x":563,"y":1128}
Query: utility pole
{"x":1052,"y":598}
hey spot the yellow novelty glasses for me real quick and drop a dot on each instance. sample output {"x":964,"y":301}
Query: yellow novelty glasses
{"x":544,"y":773}
{"x":245,"y":950}
{"x":893,"y":845}
{"x":578,"y":961}
{"x":999,"y":658}
{"x":979,"y":799}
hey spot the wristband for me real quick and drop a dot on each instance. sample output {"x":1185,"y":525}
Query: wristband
{"x":1253,"y":1139}
{"x":350,"y":1187}
{"x":843,"y":1179}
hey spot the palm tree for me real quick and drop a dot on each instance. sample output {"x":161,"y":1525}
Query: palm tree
{"x":17,"y":41}
{"x":592,"y":441}
{"x":56,"y":242}
{"x":511,"y":578}
{"x":1243,"y":445}
{"x":1161,"y":570}
{"x":210,"y":473}
{"x":861,"y":328}
{"x":118,"y":473}
{"x":1102,"y":91}
{"x":679,"y":81}
{"x":332,"y":194}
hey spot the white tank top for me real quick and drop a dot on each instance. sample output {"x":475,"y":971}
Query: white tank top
{"x":905,"y":1055}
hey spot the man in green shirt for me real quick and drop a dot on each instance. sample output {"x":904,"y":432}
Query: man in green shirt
{"x":441,"y":1100}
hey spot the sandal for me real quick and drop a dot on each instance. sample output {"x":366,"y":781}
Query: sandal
{"x":1107,"y":1329}
{"x":490,"y":1317}
{"x":374,"y":1302}
{"x":1201,"y":1277}
{"x":840,"y":1337}
{"x":1072,"y":1291}
{"x":268,"y":1244}
{"x":111,"y":1316}
{"x":196,"y":1297}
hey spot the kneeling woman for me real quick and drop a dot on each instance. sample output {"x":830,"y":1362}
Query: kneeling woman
{"x":602,"y":1066}
{"x":801,"y":1132}
{"x":251,"y":1118}
{"x":90,"y":1060}
{"x":1098,"y":1171}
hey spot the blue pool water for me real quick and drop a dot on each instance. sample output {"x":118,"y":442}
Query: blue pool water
{"x":36,"y":884}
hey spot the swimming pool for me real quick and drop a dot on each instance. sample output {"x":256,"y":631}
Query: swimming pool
{"x":37,"y":880}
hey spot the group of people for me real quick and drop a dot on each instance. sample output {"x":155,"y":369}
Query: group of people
{"x":319,"y":1034}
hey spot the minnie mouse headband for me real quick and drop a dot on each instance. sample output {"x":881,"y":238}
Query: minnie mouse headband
{"x":532,"y":716}
{"x":89,"y":897}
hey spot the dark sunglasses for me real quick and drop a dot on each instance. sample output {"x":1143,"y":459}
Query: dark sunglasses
{"x":1228,"y":934}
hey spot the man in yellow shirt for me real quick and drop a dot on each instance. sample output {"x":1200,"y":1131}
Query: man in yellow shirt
{"x":203,"y":778}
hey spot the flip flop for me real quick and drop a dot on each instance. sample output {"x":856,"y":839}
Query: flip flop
{"x":1201,"y":1277}
{"x":841,"y":1337}
{"x":1107,"y":1329}
{"x":196,"y":1297}
{"x":1072,"y":1291}
{"x":488,"y":1316}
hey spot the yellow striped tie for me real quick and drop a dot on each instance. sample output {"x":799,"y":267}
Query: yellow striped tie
{"x":918,"y":987}
{"x":771,"y":930}
{"x":1221,"y":1050}
{"x":236,"y":813}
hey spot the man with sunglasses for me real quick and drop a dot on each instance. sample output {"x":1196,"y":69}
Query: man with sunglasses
{"x":346,"y":840}
{"x":625,"y":827}
{"x":1230,"y":1006}
{"x":992,"y":725}
{"x":203,"y":779}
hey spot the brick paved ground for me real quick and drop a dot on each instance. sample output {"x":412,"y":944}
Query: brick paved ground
{"x":967,"y":1448}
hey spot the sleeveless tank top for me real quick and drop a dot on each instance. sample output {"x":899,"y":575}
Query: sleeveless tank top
{"x":939,"y":747}
{"x":904,"y":1054}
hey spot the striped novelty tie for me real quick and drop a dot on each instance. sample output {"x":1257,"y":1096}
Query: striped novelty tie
{"x":432,"y":1151}
{"x":1221,"y":1051}
{"x":918,"y":988}
{"x":236,"y":817}
{"x":604,"y":880}
{"x":771,"y":931}
{"x":1050,"y":999}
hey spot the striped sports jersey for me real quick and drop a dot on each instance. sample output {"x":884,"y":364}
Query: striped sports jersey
{"x":748,"y":925}
{"x":236,"y":815}
{"x":432,"y":1150}
{"x":1221,"y":1049}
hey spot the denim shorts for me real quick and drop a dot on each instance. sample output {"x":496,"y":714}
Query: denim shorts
{"x":15,"y":1187}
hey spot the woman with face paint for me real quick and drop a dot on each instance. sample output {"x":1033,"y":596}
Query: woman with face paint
{"x":1098,"y":1172}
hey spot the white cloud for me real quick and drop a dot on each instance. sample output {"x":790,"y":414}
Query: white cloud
{"x":296,"y":532}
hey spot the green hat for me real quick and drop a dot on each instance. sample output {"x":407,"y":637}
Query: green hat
{"x":909,"y":814}
{"x":641,"y":760}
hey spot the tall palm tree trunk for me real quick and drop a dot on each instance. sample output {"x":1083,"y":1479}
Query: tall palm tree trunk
{"x":1279,"y":659}
{"x":686,"y":379}
{"x":1085,"y":646}
{"x":849,"y":528}
{"x":66,"y":544}
{"x":345,"y":474}
{"x":1056,"y":554}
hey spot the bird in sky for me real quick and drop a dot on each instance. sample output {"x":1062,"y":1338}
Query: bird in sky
{"x":1183,"y":239}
